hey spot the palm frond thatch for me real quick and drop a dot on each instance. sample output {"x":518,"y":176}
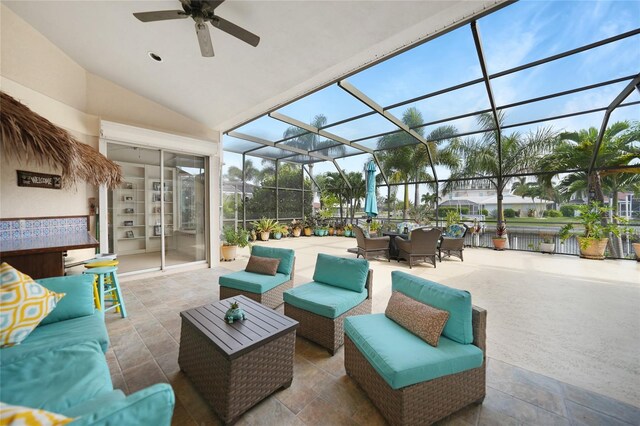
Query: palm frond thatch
{"x":31,"y":138}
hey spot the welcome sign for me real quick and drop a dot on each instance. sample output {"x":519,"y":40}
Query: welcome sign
{"x":39,"y":180}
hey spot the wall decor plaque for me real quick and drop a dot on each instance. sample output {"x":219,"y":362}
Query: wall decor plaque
{"x":39,"y":180}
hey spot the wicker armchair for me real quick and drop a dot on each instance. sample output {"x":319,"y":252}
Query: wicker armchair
{"x":453,"y":246}
{"x":328,"y":293}
{"x":419,"y":401}
{"x":368,"y":246}
{"x":422,"y":245}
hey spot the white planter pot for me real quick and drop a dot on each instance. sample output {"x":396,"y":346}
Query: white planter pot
{"x":547,"y":248}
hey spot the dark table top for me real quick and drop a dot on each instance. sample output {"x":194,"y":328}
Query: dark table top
{"x":261,"y":325}
{"x":395,"y":234}
{"x":48,"y":243}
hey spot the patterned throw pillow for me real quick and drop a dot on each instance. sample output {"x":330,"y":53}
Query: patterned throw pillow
{"x":11,"y":415}
{"x":262,"y":265}
{"x":23,"y":304}
{"x":421,"y":319}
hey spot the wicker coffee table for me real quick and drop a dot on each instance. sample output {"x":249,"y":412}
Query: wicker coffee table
{"x":235,"y":366}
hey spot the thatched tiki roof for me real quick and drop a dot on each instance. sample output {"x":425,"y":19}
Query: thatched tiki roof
{"x":27,"y":136}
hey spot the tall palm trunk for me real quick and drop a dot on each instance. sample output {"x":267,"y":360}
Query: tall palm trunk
{"x":405,"y":206}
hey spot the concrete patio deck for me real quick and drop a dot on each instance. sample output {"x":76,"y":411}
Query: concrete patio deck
{"x":563,"y":339}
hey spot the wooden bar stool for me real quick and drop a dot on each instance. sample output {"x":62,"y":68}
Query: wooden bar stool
{"x":108,"y":285}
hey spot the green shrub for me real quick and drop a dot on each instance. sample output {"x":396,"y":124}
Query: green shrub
{"x":443,"y":211}
{"x":464,"y":210}
{"x":551,"y":213}
{"x":568,"y":210}
{"x":509,"y":213}
{"x":485,"y":212}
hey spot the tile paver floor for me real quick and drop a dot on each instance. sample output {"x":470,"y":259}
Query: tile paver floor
{"x":144,"y":347}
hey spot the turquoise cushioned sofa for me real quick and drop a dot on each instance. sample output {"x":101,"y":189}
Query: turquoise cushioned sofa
{"x":340,"y":288}
{"x":265,"y":289}
{"x":61,"y":366}
{"x":410,"y":381}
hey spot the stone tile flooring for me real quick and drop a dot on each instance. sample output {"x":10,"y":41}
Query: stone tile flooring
{"x":144,"y":350}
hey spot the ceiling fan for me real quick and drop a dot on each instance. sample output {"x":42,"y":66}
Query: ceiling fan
{"x":201,"y":11}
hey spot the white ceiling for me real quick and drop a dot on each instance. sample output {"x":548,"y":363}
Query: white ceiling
{"x":304,"y":44}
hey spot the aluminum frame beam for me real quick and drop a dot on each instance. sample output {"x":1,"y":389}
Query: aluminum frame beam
{"x":614,"y":104}
{"x":265,"y":142}
{"x":353,"y":91}
{"x":492,"y":102}
{"x":311,"y":129}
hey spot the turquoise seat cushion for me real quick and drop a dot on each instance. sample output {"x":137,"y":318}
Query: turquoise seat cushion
{"x":457,"y":302}
{"x":59,"y":334}
{"x":94,"y":404}
{"x":252,"y":282}
{"x":323,"y":299}
{"x":149,"y":406}
{"x":402,"y":358}
{"x":78,"y":299}
{"x":57,"y":379}
{"x":350,"y":274}
{"x":286,"y":257}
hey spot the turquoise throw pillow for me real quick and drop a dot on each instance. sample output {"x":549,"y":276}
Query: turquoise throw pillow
{"x":78,"y":301}
{"x":457,"y":302}
{"x":350,"y":274}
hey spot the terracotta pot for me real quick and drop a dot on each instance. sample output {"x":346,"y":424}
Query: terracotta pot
{"x":636,"y":248}
{"x":339,"y":232}
{"x":595,"y":249}
{"x":308,"y":232}
{"x":331,"y":231}
{"x":547,"y":248}
{"x":264,"y":236}
{"x":296,"y":232}
{"x":228,"y":253}
{"x":499,"y":243}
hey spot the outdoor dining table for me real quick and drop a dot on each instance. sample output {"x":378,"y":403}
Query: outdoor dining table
{"x":393,"y":248}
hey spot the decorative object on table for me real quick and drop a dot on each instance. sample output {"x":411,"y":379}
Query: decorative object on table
{"x":127,"y":185}
{"x":39,"y":180}
{"x":235,"y":313}
{"x":157,"y":230}
{"x":32,"y":139}
{"x":128,"y":223}
{"x":599,"y":222}
{"x":129,"y":234}
{"x":547,"y":245}
{"x":156,"y":186}
{"x":128,"y":199}
{"x":500,"y":240}
{"x":156,"y":198}
{"x":128,"y":210}
{"x":233,"y":239}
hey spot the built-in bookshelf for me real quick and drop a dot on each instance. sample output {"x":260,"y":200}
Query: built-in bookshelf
{"x":138,"y":207}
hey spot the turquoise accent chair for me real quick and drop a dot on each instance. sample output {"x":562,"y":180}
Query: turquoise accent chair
{"x":408,"y":380}
{"x":265,"y":289}
{"x":60,"y":367}
{"x":340,"y":288}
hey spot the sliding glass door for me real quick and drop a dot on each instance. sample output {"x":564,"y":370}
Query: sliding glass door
{"x":156,"y":218}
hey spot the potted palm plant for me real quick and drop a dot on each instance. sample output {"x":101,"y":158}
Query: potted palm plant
{"x":597,"y":229}
{"x":233,"y":239}
{"x":374,"y":227}
{"x":500,"y":240}
{"x":278,"y":230}
{"x":309,"y":225}
{"x":264,"y":227}
{"x":348,"y":229}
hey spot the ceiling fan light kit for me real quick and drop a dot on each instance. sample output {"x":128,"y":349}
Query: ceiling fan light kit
{"x":201,"y":11}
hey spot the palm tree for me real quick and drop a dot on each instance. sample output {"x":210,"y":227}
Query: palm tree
{"x":403,"y":161}
{"x":336,"y":185}
{"x":619,"y":148}
{"x":525,"y":189}
{"x":357,"y":191}
{"x":479,"y":157}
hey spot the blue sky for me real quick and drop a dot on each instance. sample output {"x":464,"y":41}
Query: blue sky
{"x":515,"y":35}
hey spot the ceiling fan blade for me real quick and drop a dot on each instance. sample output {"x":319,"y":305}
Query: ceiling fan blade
{"x":204,"y":39}
{"x":212,"y":3}
{"x":160,"y":15}
{"x":236,"y":31}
